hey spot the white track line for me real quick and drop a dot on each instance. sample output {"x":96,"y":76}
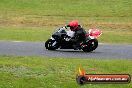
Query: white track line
{"x":18,"y":41}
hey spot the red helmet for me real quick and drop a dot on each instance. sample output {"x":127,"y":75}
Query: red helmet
{"x":73,"y":25}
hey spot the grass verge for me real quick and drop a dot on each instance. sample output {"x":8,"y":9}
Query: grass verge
{"x":47,"y":72}
{"x":34,"y":20}
{"x":43,"y":33}
{"x":25,"y":34}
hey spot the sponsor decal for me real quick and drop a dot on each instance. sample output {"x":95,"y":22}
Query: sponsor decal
{"x":83,"y":78}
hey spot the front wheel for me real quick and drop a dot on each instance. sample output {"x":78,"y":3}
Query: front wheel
{"x":51,"y":44}
{"x":90,"y":45}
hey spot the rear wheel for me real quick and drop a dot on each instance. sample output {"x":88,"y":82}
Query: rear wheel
{"x":91,"y":45}
{"x":51,"y":44}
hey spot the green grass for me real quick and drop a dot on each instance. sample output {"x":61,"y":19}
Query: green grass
{"x":74,"y":8}
{"x":43,"y":33}
{"x":47,"y":72}
{"x":25,"y":19}
{"x":25,"y":34}
{"x":35,"y":20}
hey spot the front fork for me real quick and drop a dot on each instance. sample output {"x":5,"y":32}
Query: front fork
{"x":54,"y":42}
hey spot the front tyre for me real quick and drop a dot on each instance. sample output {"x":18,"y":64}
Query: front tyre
{"x":51,"y":44}
{"x":91,"y":45}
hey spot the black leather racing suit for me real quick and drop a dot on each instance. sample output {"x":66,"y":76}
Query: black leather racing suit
{"x":79,"y":36}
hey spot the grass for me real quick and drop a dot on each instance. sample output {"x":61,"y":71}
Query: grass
{"x":47,"y":72}
{"x":43,"y":33}
{"x":74,"y":8}
{"x":24,"y":34}
{"x":34,"y":20}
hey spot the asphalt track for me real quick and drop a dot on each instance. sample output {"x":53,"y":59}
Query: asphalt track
{"x":111,"y":51}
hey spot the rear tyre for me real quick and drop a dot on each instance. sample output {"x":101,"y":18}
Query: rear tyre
{"x":91,"y":45}
{"x":51,"y":44}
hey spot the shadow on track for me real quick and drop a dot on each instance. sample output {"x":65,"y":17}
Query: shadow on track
{"x":74,"y":51}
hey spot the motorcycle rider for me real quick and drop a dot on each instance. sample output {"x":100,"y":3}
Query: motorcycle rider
{"x":79,"y":36}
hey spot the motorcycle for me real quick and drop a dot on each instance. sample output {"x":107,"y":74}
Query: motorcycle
{"x":61,"y":40}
